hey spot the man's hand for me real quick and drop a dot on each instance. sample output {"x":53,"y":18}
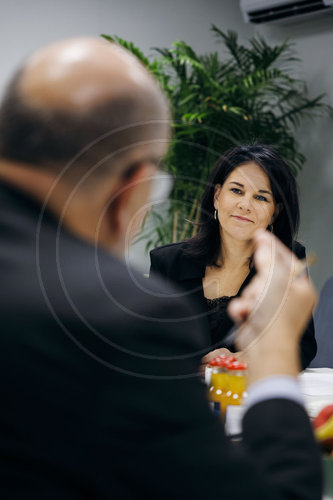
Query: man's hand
{"x":219,"y":352}
{"x":211,"y":355}
{"x":273,"y":310}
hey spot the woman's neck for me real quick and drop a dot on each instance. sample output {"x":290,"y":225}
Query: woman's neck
{"x":235,"y":253}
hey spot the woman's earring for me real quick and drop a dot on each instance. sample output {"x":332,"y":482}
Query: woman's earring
{"x":271,"y":228}
{"x":215,"y":214}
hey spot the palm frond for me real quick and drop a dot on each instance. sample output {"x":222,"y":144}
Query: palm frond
{"x":218,"y":101}
{"x":129,"y":46}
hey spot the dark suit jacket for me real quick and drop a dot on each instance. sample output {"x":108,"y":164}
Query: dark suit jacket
{"x":100,"y":397}
{"x":171,"y":262}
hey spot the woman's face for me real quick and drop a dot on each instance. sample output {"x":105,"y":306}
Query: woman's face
{"x":245,"y":202}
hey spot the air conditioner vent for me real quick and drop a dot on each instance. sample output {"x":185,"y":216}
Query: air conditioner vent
{"x":287,"y":11}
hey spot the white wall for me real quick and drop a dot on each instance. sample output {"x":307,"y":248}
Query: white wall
{"x":24,"y":26}
{"x":314,"y":42}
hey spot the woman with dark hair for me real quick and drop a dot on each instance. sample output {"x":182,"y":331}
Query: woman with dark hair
{"x":251,"y":187}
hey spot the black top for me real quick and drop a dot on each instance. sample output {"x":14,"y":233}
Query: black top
{"x":218,"y":319}
{"x":172,"y":262}
{"x":99,"y":391}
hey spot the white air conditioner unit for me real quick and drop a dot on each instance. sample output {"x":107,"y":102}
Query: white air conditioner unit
{"x":283,"y":11}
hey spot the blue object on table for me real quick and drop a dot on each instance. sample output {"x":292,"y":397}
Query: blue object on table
{"x":323,"y":320}
{"x":328,"y":477}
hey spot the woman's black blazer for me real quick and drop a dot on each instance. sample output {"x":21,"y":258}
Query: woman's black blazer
{"x":174,"y":264}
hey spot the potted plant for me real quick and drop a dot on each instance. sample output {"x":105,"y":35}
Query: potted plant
{"x":218,"y":101}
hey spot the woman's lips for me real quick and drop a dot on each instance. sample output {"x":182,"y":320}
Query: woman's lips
{"x":239,"y":217}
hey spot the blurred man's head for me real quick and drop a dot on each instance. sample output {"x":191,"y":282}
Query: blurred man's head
{"x":87,"y":113}
{"x":84,"y":101}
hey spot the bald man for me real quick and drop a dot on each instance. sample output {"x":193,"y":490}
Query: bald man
{"x":100,"y":393}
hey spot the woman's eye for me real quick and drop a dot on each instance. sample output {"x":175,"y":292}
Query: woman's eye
{"x":261,"y":198}
{"x":236,"y":190}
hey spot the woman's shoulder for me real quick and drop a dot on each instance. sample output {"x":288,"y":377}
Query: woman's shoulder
{"x":172,"y":261}
{"x":171,"y":249}
{"x":167,"y":257}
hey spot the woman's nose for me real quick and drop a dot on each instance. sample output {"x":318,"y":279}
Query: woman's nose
{"x":245,"y":204}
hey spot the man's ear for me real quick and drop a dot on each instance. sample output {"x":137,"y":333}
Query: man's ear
{"x":128,"y":199}
{"x":217,"y":191}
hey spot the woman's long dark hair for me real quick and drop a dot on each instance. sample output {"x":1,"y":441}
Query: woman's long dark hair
{"x":205,"y":246}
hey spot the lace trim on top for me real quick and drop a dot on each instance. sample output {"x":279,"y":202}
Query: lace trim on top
{"x":218,"y":300}
{"x":218,"y":319}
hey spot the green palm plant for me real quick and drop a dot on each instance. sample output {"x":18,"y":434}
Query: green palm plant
{"x":218,"y":102}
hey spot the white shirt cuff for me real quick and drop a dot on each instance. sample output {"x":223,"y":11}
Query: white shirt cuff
{"x":275,"y":387}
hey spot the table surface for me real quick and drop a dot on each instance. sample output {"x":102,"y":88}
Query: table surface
{"x":317,"y":389}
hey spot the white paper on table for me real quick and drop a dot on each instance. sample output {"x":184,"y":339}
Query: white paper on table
{"x":317,"y":382}
{"x":317,"y":389}
{"x":233,"y":419}
{"x":314,"y":405}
